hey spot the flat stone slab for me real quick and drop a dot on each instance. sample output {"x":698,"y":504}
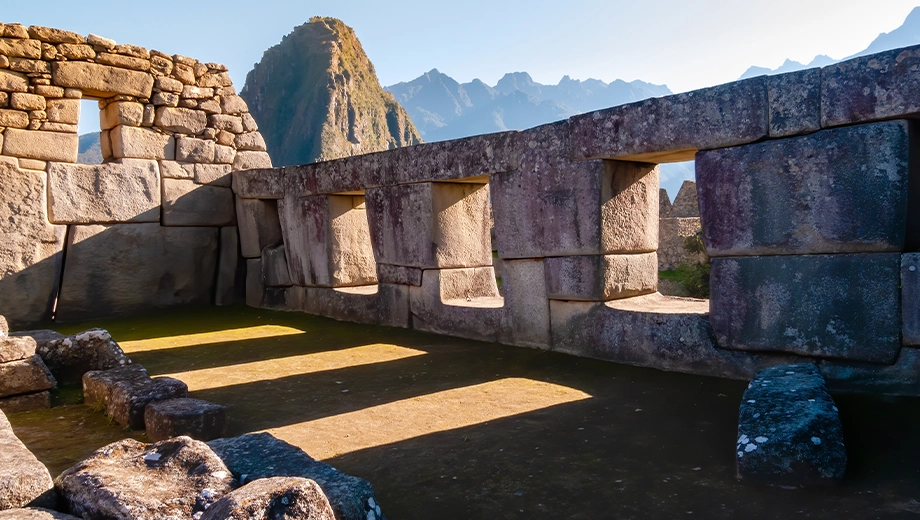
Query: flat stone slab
{"x":103,"y":193}
{"x":126,"y":391}
{"x":276,"y":497}
{"x":261,"y":455}
{"x":26,"y":402}
{"x":69,"y":357}
{"x":809,"y":194}
{"x":789,"y":431}
{"x":829,"y":306}
{"x":24,"y":377}
{"x":176,"y":478}
{"x":34,"y":513}
{"x":14,"y":348}
{"x":24,"y":481}
{"x":194,"y":418}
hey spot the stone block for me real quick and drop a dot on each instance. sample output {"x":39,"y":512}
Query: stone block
{"x":43,"y":146}
{"x":225,"y":155}
{"x":188,"y":204}
{"x":282,"y":497}
{"x":233,"y":105}
{"x":601,"y":277}
{"x":32,"y":164}
{"x":15,"y":348}
{"x":76,"y":51}
{"x":27,"y":102}
{"x":141,"y":143}
{"x":431,"y":225}
{"x":193,"y":418}
{"x":910,"y":298}
{"x":327,"y":241}
{"x":169,"y":85}
{"x":213,"y":174}
{"x":124,"y":62}
{"x":382,"y":304}
{"x":13,"y":81}
{"x":259,"y":225}
{"x":189,"y":149}
{"x":245,"y":160}
{"x":250,"y":141}
{"x":399,"y":274}
{"x":865,"y":378}
{"x":127,"y":391}
{"x":174,"y":170}
{"x":795,"y":102}
{"x":461,"y":302}
{"x":789,"y":431}
{"x":101,"y":80}
{"x":128,"y":268}
{"x":232,"y":124}
{"x":254,"y":287}
{"x":843,"y":306}
{"x":225,"y":290}
{"x":69,"y":357}
{"x":51,"y":35}
{"x":24,"y":377}
{"x":24,"y":481}
{"x":26,"y":403}
{"x":103,"y":193}
{"x":275,"y":267}
{"x":65,"y":111}
{"x":871,"y":88}
{"x":128,"y":113}
{"x":672,"y":251}
{"x":259,"y":184}
{"x":585,"y":208}
{"x":527,"y":319}
{"x":181,"y":120}
{"x":31,"y":248}
{"x":808,"y":194}
{"x":672,"y":128}
{"x":21,"y":48}
{"x":13,"y":119}
{"x":655,"y":331}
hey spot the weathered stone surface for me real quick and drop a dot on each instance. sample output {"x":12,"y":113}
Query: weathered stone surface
{"x":129,"y":480}
{"x":225,"y":291}
{"x":261,"y":455}
{"x":44,"y":146}
{"x":259,"y":184}
{"x":101,"y":80}
{"x":128,"y":113}
{"x":809,"y":194}
{"x":13,"y":119}
{"x":585,"y":208}
{"x":27,"y":102}
{"x":897,"y":379}
{"x":189,"y":149}
{"x":672,"y":251}
{"x":277,"y":497}
{"x":795,"y":102}
{"x":63,"y":111}
{"x":254,"y":287}
{"x":25,"y":376}
{"x":461,"y":302}
{"x":601,"y":277}
{"x":126,"y":393}
{"x":381,"y":304}
{"x":212,"y":174}
{"x":21,"y":48}
{"x":4,"y":326}
{"x":99,"y":384}
{"x":686,"y":203}
{"x":34,"y":513}
{"x":26,"y":402}
{"x":103,"y":193}
{"x":527,"y":320}
{"x":141,"y":143}
{"x":870,"y":88}
{"x":194,"y":418}
{"x":250,"y":141}
{"x":246,"y":160}
{"x":672,"y":128}
{"x":275,"y":267}
{"x":124,"y":62}
{"x":831,"y":306}
{"x":127,"y":268}
{"x":399,"y":274}
{"x":14,"y":348}
{"x":13,"y":81}
{"x":24,"y":481}
{"x":51,"y":35}
{"x":789,"y":432}
{"x":69,"y":357}
{"x":174,"y":170}
{"x":188,"y":204}
{"x":910,"y":298}
{"x":327,"y":241}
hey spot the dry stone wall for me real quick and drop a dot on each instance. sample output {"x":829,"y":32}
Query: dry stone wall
{"x":150,"y":226}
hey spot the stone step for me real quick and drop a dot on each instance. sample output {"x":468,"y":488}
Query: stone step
{"x":126,"y":391}
{"x":201,"y":420}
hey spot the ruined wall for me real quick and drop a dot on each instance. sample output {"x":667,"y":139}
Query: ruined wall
{"x":676,"y":222}
{"x":152,"y":226}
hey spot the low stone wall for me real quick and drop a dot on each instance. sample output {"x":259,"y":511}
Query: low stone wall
{"x":142,"y":230}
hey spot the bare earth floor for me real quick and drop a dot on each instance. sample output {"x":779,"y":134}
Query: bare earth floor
{"x":448,"y":428}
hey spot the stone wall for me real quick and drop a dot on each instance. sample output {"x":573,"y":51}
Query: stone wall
{"x":676,"y":222}
{"x":144,"y":229}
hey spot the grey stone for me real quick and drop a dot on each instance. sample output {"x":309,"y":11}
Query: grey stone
{"x":382,"y":304}
{"x":871,"y":88}
{"x":899,"y":378}
{"x":276,"y":497}
{"x":14,"y":348}
{"x":601,"y":277}
{"x":672,"y":128}
{"x":24,"y":481}
{"x":26,"y":402}
{"x":686,"y":203}
{"x":526,"y":321}
{"x":141,"y":143}
{"x":664,"y":204}
{"x":68,"y":358}
{"x":188,"y":204}
{"x":34,"y":513}
{"x":127,"y":268}
{"x":399,"y":274}
{"x":103,"y":193}
{"x":795,"y":102}
{"x":227,"y":266}
{"x":261,"y":455}
{"x":259,"y":225}
{"x":194,"y":418}
{"x":259,"y":184}
{"x":656,"y":331}
{"x":213,"y":174}
{"x":129,"y":480}
{"x":189,"y":149}
{"x":910,"y":298}
{"x":254,"y":286}
{"x":830,"y":306}
{"x":672,"y":250}
{"x":25,"y":376}
{"x":462,"y":302}
{"x":275,"y":267}
{"x":808,"y":194}
{"x":126,"y":391}
{"x":245,"y":160}
{"x":789,"y":431}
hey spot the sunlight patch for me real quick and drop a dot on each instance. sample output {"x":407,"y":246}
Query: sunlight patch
{"x":205,"y":338}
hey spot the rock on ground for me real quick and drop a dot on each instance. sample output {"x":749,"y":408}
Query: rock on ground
{"x":287,"y":498}
{"x":195,"y":418}
{"x":24,"y":480}
{"x":130,"y":480}
{"x":789,"y":432}
{"x":25,"y":376}
{"x":34,"y":513}
{"x":261,"y":455}
{"x":69,"y":357}
{"x":126,"y":391}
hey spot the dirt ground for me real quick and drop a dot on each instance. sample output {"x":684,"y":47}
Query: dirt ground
{"x":448,"y":428}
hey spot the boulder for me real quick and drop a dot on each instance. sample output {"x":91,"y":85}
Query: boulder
{"x":261,"y":455}
{"x":278,"y":497}
{"x":34,"y":513}
{"x":69,"y":357}
{"x":24,"y":480}
{"x":14,"y":348}
{"x":183,"y":416}
{"x":789,"y":431}
{"x":126,"y":391}
{"x":25,"y":376}
{"x":129,"y":480}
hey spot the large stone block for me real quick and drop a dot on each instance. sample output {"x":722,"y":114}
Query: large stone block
{"x":461,"y":302}
{"x":194,"y":418}
{"x":601,"y":277}
{"x":225,"y":290}
{"x":871,"y":88}
{"x":127,"y":268}
{"x":141,"y":143}
{"x":279,"y":497}
{"x":188,"y":204}
{"x":69,"y":357}
{"x":382,"y":304}
{"x":327,"y":241}
{"x":100,"y":80}
{"x":275,"y":267}
{"x":795,"y":102}
{"x":551,"y":206}
{"x":23,"y":479}
{"x":181,"y":120}
{"x":527,"y":321}
{"x":103,"y":193}
{"x":910,"y":298}
{"x":25,"y":376}
{"x":259,"y":225}
{"x":43,"y":146}
{"x":431,"y":225}
{"x":126,"y":391}
{"x":259,"y":184}
{"x":14,"y":348}
{"x":809,"y":194}
{"x":828,"y":306}
{"x":672,"y":128}
{"x":129,"y":113}
{"x":30,"y":248}
{"x":13,"y":81}
{"x":399,"y":274}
